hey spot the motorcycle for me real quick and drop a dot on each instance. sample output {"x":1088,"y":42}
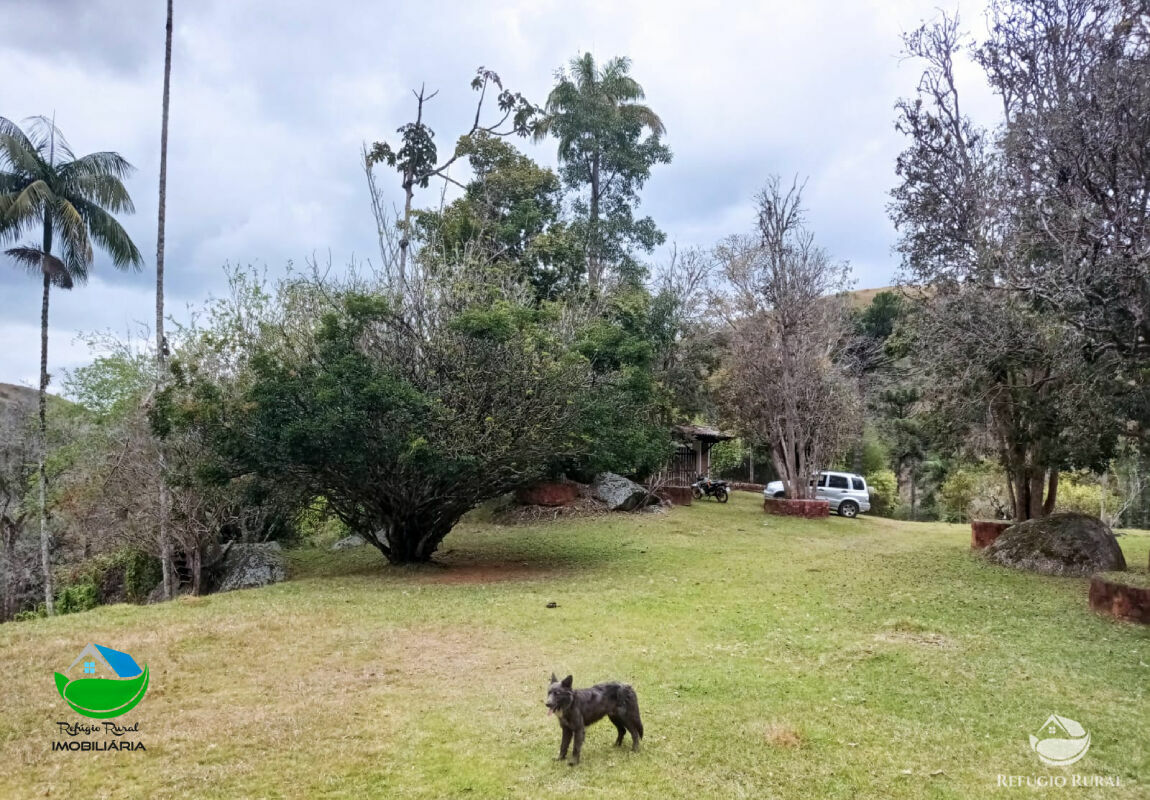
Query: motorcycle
{"x":705,"y":487}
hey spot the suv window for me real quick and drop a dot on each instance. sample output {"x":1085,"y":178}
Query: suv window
{"x":858,"y":485}
{"x":822,"y":480}
{"x":837,"y":481}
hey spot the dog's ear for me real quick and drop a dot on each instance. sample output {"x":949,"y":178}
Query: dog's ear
{"x":553,"y":678}
{"x":567,"y":682}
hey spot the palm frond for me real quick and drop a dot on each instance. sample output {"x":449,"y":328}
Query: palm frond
{"x":107,"y":191}
{"x":101,"y":163}
{"x":49,"y":140}
{"x":18,"y":157}
{"x":21,"y":207}
{"x":72,"y":232}
{"x":11,"y":129}
{"x":110,"y":235}
{"x":36,"y":262}
{"x":645,"y":117}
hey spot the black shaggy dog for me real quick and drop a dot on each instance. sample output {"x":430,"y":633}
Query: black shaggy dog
{"x":578,"y":708}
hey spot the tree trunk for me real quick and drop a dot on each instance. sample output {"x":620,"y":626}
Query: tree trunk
{"x":414,"y":539}
{"x":8,"y":570}
{"x":45,"y":548}
{"x":161,"y":341}
{"x":197,"y":567}
{"x":593,"y":265}
{"x":1037,"y":481}
{"x":1052,"y":493}
{"x":913,"y":495}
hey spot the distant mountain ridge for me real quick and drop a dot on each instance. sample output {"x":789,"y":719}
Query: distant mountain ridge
{"x":21,"y":401}
{"x":15,"y":400}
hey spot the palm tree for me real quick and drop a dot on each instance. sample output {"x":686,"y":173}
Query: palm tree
{"x":588,"y":106}
{"x":161,"y":342}
{"x":69,"y":202}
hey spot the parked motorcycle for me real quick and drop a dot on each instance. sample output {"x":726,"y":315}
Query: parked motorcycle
{"x":705,"y":487}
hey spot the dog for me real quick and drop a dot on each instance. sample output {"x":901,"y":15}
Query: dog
{"x":578,"y":708}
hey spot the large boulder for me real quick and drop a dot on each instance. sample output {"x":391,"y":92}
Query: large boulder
{"x":1061,"y":544}
{"x":348,"y":542}
{"x":621,"y":494}
{"x":247,"y":566}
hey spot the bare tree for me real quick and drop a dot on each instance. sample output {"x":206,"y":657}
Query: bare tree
{"x":417,"y":159}
{"x":785,"y":382}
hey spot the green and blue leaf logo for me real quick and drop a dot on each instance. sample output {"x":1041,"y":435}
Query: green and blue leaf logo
{"x":104,"y":683}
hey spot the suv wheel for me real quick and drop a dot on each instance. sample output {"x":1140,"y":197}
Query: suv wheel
{"x":780,"y":495}
{"x":848,"y":509}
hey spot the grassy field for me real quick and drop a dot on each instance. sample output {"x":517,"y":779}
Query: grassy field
{"x":772,"y":658}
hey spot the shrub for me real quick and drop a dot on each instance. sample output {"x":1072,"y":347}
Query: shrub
{"x":973,"y":491}
{"x":125,"y":575}
{"x":883,"y":487}
{"x":142,"y":572}
{"x":728,"y":456}
{"x":77,"y":597}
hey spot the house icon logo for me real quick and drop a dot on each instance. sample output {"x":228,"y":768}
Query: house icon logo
{"x":102,"y":683}
{"x":1060,"y":741}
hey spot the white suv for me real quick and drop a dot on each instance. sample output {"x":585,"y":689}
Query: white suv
{"x":846,"y":492}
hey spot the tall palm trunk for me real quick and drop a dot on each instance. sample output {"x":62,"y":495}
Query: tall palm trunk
{"x":161,"y":343}
{"x":594,"y":267}
{"x":42,"y":449}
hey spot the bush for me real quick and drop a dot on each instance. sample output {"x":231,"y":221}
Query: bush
{"x":125,"y":575}
{"x":142,"y":573}
{"x":875,"y":455}
{"x":728,"y":456}
{"x":77,"y":597}
{"x":883,"y":487}
{"x":974,"y":491}
{"x":1081,"y":492}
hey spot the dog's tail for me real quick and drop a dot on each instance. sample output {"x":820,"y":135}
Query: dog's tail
{"x":633,"y":702}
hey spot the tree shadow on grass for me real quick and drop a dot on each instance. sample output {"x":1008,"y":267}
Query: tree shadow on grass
{"x":473,"y":557}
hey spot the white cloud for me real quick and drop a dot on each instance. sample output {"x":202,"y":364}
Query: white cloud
{"x":271,"y":101}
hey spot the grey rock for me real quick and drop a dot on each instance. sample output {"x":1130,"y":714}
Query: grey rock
{"x":1061,"y":544}
{"x":247,"y":566}
{"x":355,"y":540}
{"x":621,"y":494}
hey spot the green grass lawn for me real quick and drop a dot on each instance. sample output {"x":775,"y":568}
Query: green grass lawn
{"x":772,"y":658}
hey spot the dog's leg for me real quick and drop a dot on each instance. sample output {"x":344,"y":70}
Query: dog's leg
{"x":579,"y":734}
{"x":619,"y":726}
{"x":563,"y":744}
{"x":635,"y":729}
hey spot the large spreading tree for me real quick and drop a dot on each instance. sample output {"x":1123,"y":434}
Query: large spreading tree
{"x":401,"y":409}
{"x":1022,"y":231}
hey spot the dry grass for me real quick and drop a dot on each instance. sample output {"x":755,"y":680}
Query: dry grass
{"x":772,"y":658}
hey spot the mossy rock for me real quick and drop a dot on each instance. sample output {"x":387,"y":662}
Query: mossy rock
{"x":1062,"y":544}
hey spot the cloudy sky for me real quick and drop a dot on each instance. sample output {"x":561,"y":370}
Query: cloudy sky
{"x":272,"y":99}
